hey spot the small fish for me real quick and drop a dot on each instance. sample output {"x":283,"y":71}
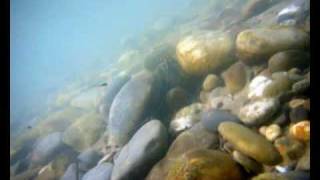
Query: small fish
{"x":29,"y":127}
{"x":104,"y":84}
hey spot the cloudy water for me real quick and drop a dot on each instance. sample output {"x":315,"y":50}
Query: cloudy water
{"x":161,"y":89}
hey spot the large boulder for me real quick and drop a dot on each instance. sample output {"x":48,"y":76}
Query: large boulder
{"x":256,"y":45}
{"x":250,"y":143}
{"x":204,"y":52}
{"x":129,"y":108}
{"x":84,"y":132}
{"x":142,"y":152}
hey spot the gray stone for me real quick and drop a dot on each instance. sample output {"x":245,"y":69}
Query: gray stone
{"x":212,"y":118}
{"x":100,"y":172}
{"x":88,"y":159}
{"x":47,"y":148}
{"x":145,"y":148}
{"x":128,"y":107}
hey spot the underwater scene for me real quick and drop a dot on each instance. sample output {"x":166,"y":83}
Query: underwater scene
{"x":160,"y":90}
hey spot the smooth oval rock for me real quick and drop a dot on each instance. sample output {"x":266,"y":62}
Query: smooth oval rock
{"x":235,"y":77}
{"x":301,"y":130}
{"x":257,"y":45}
{"x":285,"y":60}
{"x":128,"y":107}
{"x":145,"y":148}
{"x":249,"y":164}
{"x":204,"y":164}
{"x":88,"y":159}
{"x":47,"y":148}
{"x":100,"y":172}
{"x":191,"y":139}
{"x":84,"y":132}
{"x":250,"y":143}
{"x":212,"y":118}
{"x":112,"y":90}
{"x":205,"y":52}
{"x":258,"y":112}
{"x":210,"y":82}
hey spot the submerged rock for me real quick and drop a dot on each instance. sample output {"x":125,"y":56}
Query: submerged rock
{"x":84,"y":132}
{"x":210,"y":82}
{"x":72,"y":173}
{"x":176,"y":98}
{"x":301,"y":130}
{"x":100,"y":172}
{"x":204,"y":164}
{"x":249,"y":164}
{"x":128,"y":108}
{"x":205,"y":52}
{"x":112,"y":90}
{"x":296,"y":12}
{"x":185,"y":118}
{"x":249,"y":143}
{"x":144,"y":149}
{"x":194,"y":138}
{"x":258,"y":112}
{"x":212,"y":118}
{"x":285,"y":60}
{"x":88,"y":159}
{"x":290,"y":149}
{"x":258,"y":85}
{"x":257,"y":45}
{"x":235,"y":77}
{"x":304,"y":161}
{"x":254,"y":7}
{"x":47,"y":148}
{"x":291,"y":175}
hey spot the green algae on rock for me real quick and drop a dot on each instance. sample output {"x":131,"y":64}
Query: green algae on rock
{"x":250,"y":143}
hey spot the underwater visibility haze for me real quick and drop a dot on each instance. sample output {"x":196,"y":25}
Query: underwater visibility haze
{"x":159,"y":90}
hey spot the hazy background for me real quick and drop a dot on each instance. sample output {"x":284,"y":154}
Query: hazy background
{"x":54,"y":41}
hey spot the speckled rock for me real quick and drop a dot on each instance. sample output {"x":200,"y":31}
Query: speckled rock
{"x":249,"y":143}
{"x":176,"y":98}
{"x":84,"y":132}
{"x":128,"y":108}
{"x":285,"y":60}
{"x":235,"y":77}
{"x":256,"y":45}
{"x":210,"y":82}
{"x":258,"y":85}
{"x":204,"y":164}
{"x":272,"y":132}
{"x":212,"y":118}
{"x":185,"y":118}
{"x":258,"y":112}
{"x":250,"y":165}
{"x":292,"y":175}
{"x":196,"y":137}
{"x":205,"y":52}
{"x":142,"y":152}
{"x":100,"y":172}
{"x":301,"y":130}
